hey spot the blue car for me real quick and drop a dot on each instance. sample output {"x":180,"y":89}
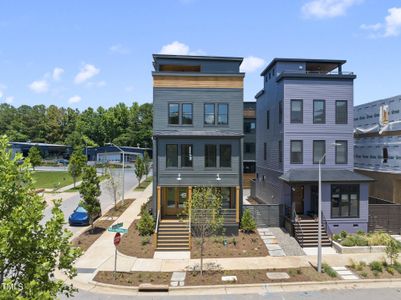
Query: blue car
{"x":80,"y":217}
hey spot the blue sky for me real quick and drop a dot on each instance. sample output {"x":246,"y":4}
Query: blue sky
{"x":90,"y":53}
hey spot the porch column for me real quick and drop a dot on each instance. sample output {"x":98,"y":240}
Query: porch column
{"x":237,"y":189}
{"x":158,"y":206}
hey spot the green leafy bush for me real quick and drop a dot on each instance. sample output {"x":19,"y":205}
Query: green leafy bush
{"x":329,"y":270}
{"x":376,"y":266}
{"x":146,"y":224}
{"x":363,"y":239}
{"x":343,"y":234}
{"x":248,"y":223}
{"x":364,"y":274}
{"x":145,"y":240}
{"x":390,"y":270}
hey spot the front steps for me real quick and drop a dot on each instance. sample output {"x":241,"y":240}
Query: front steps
{"x":306,"y":233}
{"x":173,"y":235}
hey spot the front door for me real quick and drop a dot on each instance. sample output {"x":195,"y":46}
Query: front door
{"x":173,"y":200}
{"x":298,"y":199}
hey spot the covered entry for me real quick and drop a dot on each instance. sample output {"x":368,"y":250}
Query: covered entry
{"x":173,"y":200}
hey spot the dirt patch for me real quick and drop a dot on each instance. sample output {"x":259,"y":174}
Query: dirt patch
{"x":133,"y":278}
{"x":132,"y":244}
{"x":87,"y":238}
{"x":243,"y":245}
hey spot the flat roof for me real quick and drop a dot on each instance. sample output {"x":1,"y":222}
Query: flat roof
{"x":37,"y":144}
{"x":199,"y":57}
{"x":328,"y":175}
{"x":305,"y":60}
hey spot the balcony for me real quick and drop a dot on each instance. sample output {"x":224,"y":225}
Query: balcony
{"x":337,"y":74}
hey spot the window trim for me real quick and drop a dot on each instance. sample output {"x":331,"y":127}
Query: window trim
{"x":182,"y":114}
{"x":346,"y":152}
{"x":349,"y":205}
{"x":231,"y":155}
{"x":302,"y":111}
{"x":302,"y":152}
{"x":346,"y":111}
{"x":172,"y":167}
{"x":168,"y":113}
{"x":313,"y":152}
{"x":218,"y":114}
{"x":324,"y":111}
{"x":204,"y":114}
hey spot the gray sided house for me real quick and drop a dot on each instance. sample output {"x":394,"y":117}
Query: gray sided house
{"x":249,"y":143}
{"x":198,"y":132}
{"x":378,"y":146}
{"x":305,"y":111}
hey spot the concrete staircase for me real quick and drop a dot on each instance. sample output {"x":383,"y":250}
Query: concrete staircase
{"x":306,"y":233}
{"x":173,"y":235}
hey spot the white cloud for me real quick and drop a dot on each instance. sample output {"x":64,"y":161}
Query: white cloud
{"x":96,"y":83}
{"x":327,"y":8}
{"x":251,"y":64}
{"x":87,"y":72}
{"x":389,"y":28}
{"x":178,"y":48}
{"x":57,"y":72}
{"x":119,"y":49}
{"x":75,"y":99}
{"x":39,"y":86}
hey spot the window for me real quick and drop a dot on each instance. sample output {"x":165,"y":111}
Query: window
{"x":173,"y":113}
{"x":225,"y":156}
{"x":341,"y":152}
{"x":296,"y":152}
{"x":186,"y":155}
{"x":222,"y":114}
{"x":319,"y":149}
{"x":319,"y":112}
{"x":280,"y":151}
{"x":280,"y":112}
{"x":341,"y":112}
{"x":264,"y":151}
{"x":345,"y":201}
{"x":249,"y":167}
{"x":172,"y":156}
{"x":209,"y":114}
{"x":385,"y":155}
{"x":268,"y":119}
{"x":249,"y":126}
{"x":296,"y":111}
{"x":210,"y":156}
{"x":249,"y":147}
{"x":186,"y":117}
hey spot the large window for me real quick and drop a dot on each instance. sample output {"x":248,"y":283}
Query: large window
{"x":319,"y":112}
{"x":319,"y":149}
{"x":249,"y":167}
{"x":296,"y":111}
{"x":268,"y":119}
{"x":209,"y":118}
{"x":341,"y":152}
{"x":341,"y":112}
{"x":186,"y":118}
{"x":345,"y":200}
{"x":173,"y":113}
{"x":210,"y":156}
{"x":249,"y":148}
{"x":296,"y":152}
{"x":385,"y":155}
{"x":172,"y":156}
{"x":222,"y":114}
{"x":186,"y":155}
{"x":249,"y":126}
{"x":225,"y":156}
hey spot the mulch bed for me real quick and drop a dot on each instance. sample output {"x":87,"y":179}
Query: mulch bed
{"x":87,"y":238}
{"x":133,"y":278}
{"x":243,"y":245}
{"x":132,"y":244}
{"x":367,"y":273}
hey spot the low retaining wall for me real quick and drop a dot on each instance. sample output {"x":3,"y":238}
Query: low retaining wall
{"x":357,"y":249}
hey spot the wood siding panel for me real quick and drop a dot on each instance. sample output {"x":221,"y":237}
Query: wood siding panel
{"x":198,"y":82}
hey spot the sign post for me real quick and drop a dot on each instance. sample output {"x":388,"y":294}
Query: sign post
{"x":117,"y":240}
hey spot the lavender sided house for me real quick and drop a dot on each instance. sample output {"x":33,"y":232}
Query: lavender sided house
{"x":305,"y":115}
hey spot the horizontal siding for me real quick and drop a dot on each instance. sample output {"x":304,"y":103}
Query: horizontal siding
{"x":197,"y":82}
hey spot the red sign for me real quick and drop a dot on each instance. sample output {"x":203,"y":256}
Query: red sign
{"x":117,"y":239}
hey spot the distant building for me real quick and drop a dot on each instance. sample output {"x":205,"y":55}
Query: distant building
{"x":113,"y":154}
{"x":48,"y":151}
{"x":249,"y":147}
{"x":378,"y":146}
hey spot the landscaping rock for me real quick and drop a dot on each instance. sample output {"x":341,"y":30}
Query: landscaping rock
{"x":277,"y":275}
{"x":229,"y":278}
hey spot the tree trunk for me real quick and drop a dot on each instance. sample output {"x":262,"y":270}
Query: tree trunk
{"x":201,"y":254}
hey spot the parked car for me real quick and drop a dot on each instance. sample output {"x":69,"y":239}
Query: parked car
{"x":62,"y":161}
{"x":80,"y":217}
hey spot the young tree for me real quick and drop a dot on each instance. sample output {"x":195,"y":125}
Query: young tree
{"x":90,"y":191}
{"x":76,"y":164}
{"x":204,"y":211}
{"x":31,"y":250}
{"x":392,"y":250}
{"x":146,"y":164}
{"x":114,"y":183}
{"x":35,"y":158}
{"x":248,"y":223}
{"x":139,"y":169}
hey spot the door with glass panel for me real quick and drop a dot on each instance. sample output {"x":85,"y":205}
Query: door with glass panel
{"x":174,"y":200}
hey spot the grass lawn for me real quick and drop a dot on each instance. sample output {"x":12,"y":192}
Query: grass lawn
{"x":144,"y":184}
{"x":51,"y":179}
{"x":76,"y":189}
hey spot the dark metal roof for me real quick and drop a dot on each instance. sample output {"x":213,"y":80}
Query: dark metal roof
{"x":228,"y":58}
{"x":260,"y":93}
{"x":305,"y":60}
{"x":200,"y":133}
{"x":328,"y":175}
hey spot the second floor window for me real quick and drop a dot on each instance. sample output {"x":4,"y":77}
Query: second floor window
{"x":319,"y":112}
{"x":296,"y":111}
{"x":173,"y":113}
{"x":172,"y":156}
{"x":341,"y":112}
{"x":210,"y":156}
{"x":225,"y":156}
{"x":341,"y":152}
{"x":186,"y":155}
{"x":249,"y":126}
{"x":222,"y":114}
{"x":319,"y":149}
{"x":186,"y":118}
{"x":296,"y":152}
{"x":249,"y":147}
{"x":209,"y":117}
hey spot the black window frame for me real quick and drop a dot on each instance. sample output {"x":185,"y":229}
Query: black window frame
{"x":167,"y":156}
{"x":251,"y":148}
{"x":183,"y":113}
{"x":250,"y":122}
{"x":264,"y":151}
{"x":268,"y":119}
{"x":313,"y":152}
{"x":169,"y":114}
{"x":346,"y":152}
{"x":280,"y":112}
{"x":294,"y":120}
{"x":324,"y":111}
{"x":302,"y":152}
{"x":228,"y":161}
{"x":346,"y":189}
{"x":337,"y":112}
{"x":219,"y":114}
{"x":215,"y":155}
{"x":207,"y":114}
{"x":385,"y":155}
{"x":183,"y":156}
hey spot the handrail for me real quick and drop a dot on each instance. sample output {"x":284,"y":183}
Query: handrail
{"x":328,"y":231}
{"x":157,"y":226}
{"x":299,"y":226}
{"x":318,"y":72}
{"x":189,"y":230}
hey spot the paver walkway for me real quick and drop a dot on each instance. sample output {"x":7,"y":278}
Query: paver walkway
{"x":345,"y":273}
{"x":271,"y":242}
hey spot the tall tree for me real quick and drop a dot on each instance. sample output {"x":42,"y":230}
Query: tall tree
{"x":35,"y":158}
{"x":138,"y":169}
{"x":90,"y":191}
{"x":114,"y":183}
{"x":30,"y":249}
{"x":76,"y":164}
{"x":146,"y":164}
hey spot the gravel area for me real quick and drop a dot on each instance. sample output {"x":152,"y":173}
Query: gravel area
{"x":289,"y":245}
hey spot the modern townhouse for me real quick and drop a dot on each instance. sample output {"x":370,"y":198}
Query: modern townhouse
{"x":249,"y":143}
{"x":198,"y":133}
{"x":378,"y":147}
{"x":305,"y":116}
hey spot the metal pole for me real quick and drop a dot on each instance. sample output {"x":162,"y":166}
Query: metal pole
{"x":319,"y":230}
{"x":123,"y":183}
{"x":115,"y":262}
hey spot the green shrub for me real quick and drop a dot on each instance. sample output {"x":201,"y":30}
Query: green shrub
{"x":329,"y":270}
{"x":145,"y":240}
{"x":146,"y":224}
{"x":390,"y":270}
{"x":354,"y":240}
{"x":397,"y":266}
{"x":248,"y":223}
{"x":336,"y":237}
{"x":364,"y":274}
{"x":343,"y":234}
{"x":376,"y":273}
{"x":361,"y":232}
{"x":376,"y":266}
{"x":392,"y":250}
{"x":299,"y":271}
{"x":362,"y":264}
{"x":348,"y":242}
{"x":352,"y":264}
{"x":291,"y":272}
{"x":234,"y":241}
{"x":378,"y":238}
